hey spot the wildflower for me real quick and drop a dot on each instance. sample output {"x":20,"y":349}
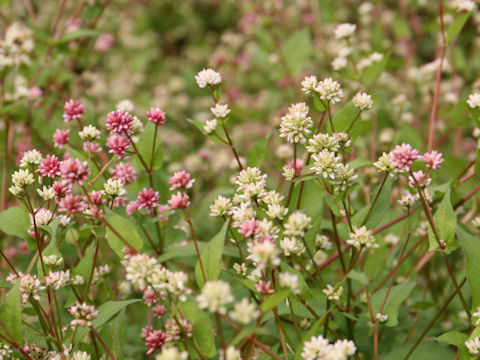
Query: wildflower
{"x":419,"y":179}
{"x":345,"y":30}
{"x":60,"y":137}
{"x":104,"y":42}
{"x":385,"y":164}
{"x":42,"y":217}
{"x":57,"y":279}
{"x":463,"y":5}
{"x":118,"y":145}
{"x":210,"y":126}
{"x":156,"y":116}
{"x":332,"y":293}
{"x":287,"y":280}
{"x":49,"y":167}
{"x":113,"y":188}
{"x":148,"y":199}
{"x":320,"y":142}
{"x":89,"y":132}
{"x":473,"y":346}
{"x":137,"y":126}
{"x":250,"y":228}
{"x":403,"y":156}
{"x":31,"y":157}
{"x":244,"y":311}
{"x":215,"y":296}
{"x":476,"y":315}
{"x":22,"y":178}
{"x":220,"y":111}
{"x":297,"y":224}
{"x":181,"y":179}
{"x":323,"y":241}
{"x":264,"y":287}
{"x":309,"y":84}
{"x":171,"y":353}
{"x":363,"y":101}
{"x":362,"y":237}
{"x":91,"y":147}
{"x":231,"y":354}
{"x":476,"y":222}
{"x":208,"y":77}
{"x":319,"y":257}
{"x":139,"y":268}
{"x":72,"y":204}
{"x":174,"y":329}
{"x":329,"y":90}
{"x":296,"y":124}
{"x":30,"y":285}
{"x":119,"y":122}
{"x":61,"y":188}
{"x":124,"y":172}
{"x":432,"y":159}
{"x":73,"y":110}
{"x":17,"y":191}
{"x":344,"y":178}
{"x":83,"y":314}
{"x":74,"y":170}
{"x":326,"y":164}
{"x":52,"y":260}
{"x":381,"y":317}
{"x":315,"y":349}
{"x":221,"y":207}
{"x":408,"y":199}
{"x":339,"y":63}
{"x":263,"y":253}
{"x":179,"y":201}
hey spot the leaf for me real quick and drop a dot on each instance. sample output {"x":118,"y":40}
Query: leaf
{"x":11,"y":315}
{"x":302,"y":284}
{"x":297,"y":49}
{"x":373,"y":72}
{"x":121,"y":226}
{"x":344,"y":118}
{"x":145,"y":145}
{"x":274,"y":299}
{"x":256,"y":154}
{"x":471,"y":248}
{"x":219,"y":130}
{"x":380,"y":207}
{"x":457,"y":339}
{"x":477,"y":165}
{"x":398,"y":294}
{"x":318,"y":103}
{"x":457,"y":26}
{"x":15,"y":222}
{"x":358,"y":276}
{"x":212,"y":257}
{"x":202,"y":328}
{"x":77,"y":34}
{"x":445,"y":222}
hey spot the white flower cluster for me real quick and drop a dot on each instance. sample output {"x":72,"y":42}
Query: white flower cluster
{"x":113,"y":188}
{"x":244,"y":311}
{"x":362,"y":237}
{"x":296,"y":124}
{"x":345,"y":30}
{"x":318,"y":348}
{"x":215,"y":296}
{"x":208,"y":77}
{"x":363,"y":101}
{"x":333,"y":294}
{"x":16,"y":47}
{"x":89,"y":133}
{"x":83,"y":314}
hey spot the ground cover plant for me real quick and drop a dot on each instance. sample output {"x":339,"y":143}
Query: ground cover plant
{"x":239,"y":179}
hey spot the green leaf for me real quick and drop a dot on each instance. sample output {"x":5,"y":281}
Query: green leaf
{"x":457,"y":339}
{"x":398,"y":294}
{"x":344,"y":118}
{"x":212,"y":257}
{"x":445,"y":222}
{"x":202,"y":328}
{"x":380,"y":206}
{"x":358,"y":276}
{"x":77,"y":34}
{"x":274,"y":299}
{"x":297,"y":50}
{"x":373,"y":72}
{"x":145,"y":145}
{"x":457,"y":26}
{"x":256,"y":154}
{"x":471,"y":248}
{"x":121,"y":226}
{"x":15,"y":222}
{"x":11,"y":315}
{"x":477,"y":165}
{"x":318,"y":103}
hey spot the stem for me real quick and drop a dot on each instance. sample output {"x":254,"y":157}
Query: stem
{"x":95,"y":333}
{"x":230,"y":143}
{"x":192,"y":231}
{"x":375,"y":199}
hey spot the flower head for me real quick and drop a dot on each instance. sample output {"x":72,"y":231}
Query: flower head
{"x":208,"y":77}
{"x":73,"y":110}
{"x":156,"y":116}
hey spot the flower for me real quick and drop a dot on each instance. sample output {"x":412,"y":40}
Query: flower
{"x":332,"y":293}
{"x":297,"y":224}
{"x":473,"y":346}
{"x":118,"y":145}
{"x":60,"y":137}
{"x":73,"y":110}
{"x":147,"y":199}
{"x":181,"y":179}
{"x":57,"y":279}
{"x":339,"y":63}
{"x":42,"y":217}
{"x":419,"y":179}
{"x":244,"y":311}
{"x":22,"y":178}
{"x":345,"y":30}
{"x":215,"y":296}
{"x":155,"y":340}
{"x":220,"y":111}
{"x":30,"y":285}
{"x":113,"y":188}
{"x":72,"y":204}
{"x":31,"y":157}
{"x":119,"y":122}
{"x":432,"y":159}
{"x":463,"y":5}
{"x":403,"y":156}
{"x":73,"y":170}
{"x":326,"y":164}
{"x":171,"y":353}
{"x":309,"y":84}
{"x":179,"y":201}
{"x":363,"y":101}
{"x":329,"y":90}
{"x":89,"y":132}
{"x":124,"y":172}
{"x":208,"y":77}
{"x":250,"y":228}
{"x":220,"y":207}
{"x":287,"y":280}
{"x":104,"y":42}
{"x":296,"y":124}
{"x":385,"y":164}
{"x":156,"y":116}
{"x":210,"y":126}
{"x":362,"y":237}
{"x":381,"y":317}
{"x":49,"y":167}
